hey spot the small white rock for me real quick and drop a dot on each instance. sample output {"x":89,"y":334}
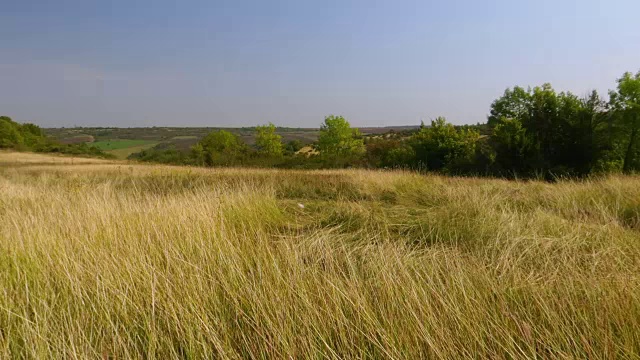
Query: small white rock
{"x":301,"y":206}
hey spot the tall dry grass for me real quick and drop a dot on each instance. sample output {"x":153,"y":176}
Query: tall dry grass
{"x":116,"y":260}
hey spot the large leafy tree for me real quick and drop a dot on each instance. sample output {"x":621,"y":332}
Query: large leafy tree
{"x":32,"y":135}
{"x":545,"y":124}
{"x":219,"y":147}
{"x":338,"y":139}
{"x":10,"y":135}
{"x":513,"y":104}
{"x":625,"y":106}
{"x":442,"y":147}
{"x":268,"y":142}
{"x":590,"y":135}
{"x":515,"y":150}
{"x":221,"y":141}
{"x":539,"y":130}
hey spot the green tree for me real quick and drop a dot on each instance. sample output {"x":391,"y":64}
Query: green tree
{"x":10,"y":135}
{"x":625,"y":106}
{"x":513,"y":104}
{"x":545,"y":131}
{"x":221,"y":141}
{"x":515,"y":150}
{"x":221,"y":147}
{"x":401,"y":156}
{"x":268,"y":142}
{"x":198,"y":154}
{"x":590,"y":136}
{"x":32,"y":135}
{"x":338,"y":139}
{"x":442,"y":147}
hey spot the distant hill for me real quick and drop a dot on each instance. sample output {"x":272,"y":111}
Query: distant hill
{"x":192,"y":134}
{"x":123,"y":141}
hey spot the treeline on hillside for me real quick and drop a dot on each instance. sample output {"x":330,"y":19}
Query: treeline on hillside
{"x":30,"y":137}
{"x":530,"y":133}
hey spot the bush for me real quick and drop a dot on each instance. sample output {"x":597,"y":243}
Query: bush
{"x":25,"y":137}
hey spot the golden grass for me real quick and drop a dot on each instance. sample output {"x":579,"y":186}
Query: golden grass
{"x":24,"y":158}
{"x":107,"y":259}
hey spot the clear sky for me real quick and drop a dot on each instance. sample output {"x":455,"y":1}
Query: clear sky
{"x":240,"y":62}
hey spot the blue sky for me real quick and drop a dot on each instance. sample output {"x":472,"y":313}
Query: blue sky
{"x":239,"y":63}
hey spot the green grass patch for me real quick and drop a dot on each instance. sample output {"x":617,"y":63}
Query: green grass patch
{"x":120,"y":144}
{"x":125,"y":152}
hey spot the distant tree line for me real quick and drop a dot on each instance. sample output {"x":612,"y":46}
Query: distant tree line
{"x":30,"y":137}
{"x":534,"y":132}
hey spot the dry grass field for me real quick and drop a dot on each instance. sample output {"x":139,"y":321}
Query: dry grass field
{"x":109,"y":259}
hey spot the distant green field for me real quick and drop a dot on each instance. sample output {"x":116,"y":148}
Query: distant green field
{"x":123,"y":153}
{"x":120,"y":144}
{"x":122,"y":148}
